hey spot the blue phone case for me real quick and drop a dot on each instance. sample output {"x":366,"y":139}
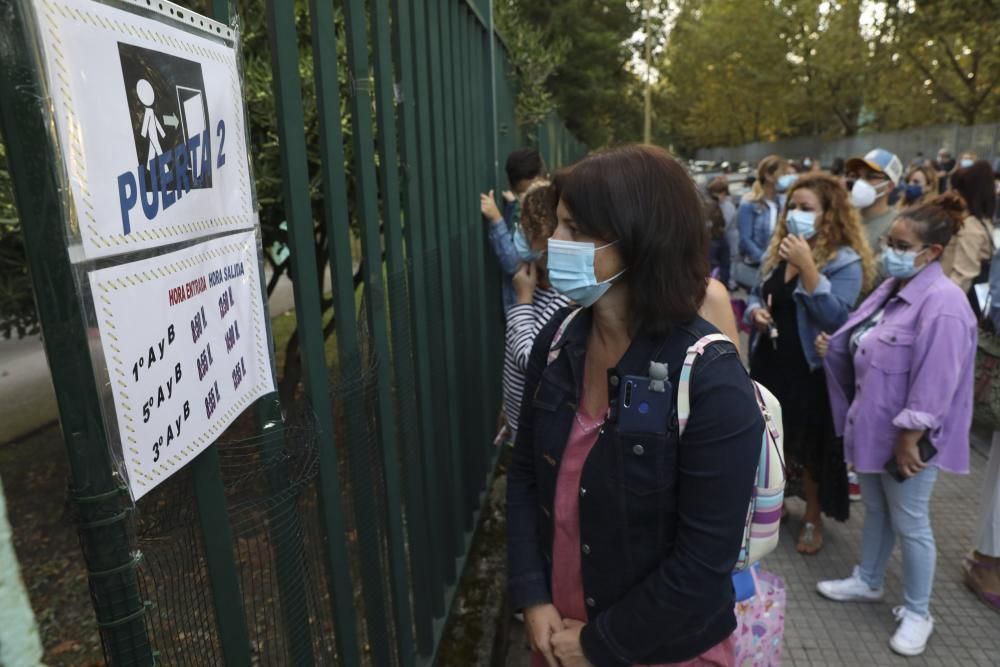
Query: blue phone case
{"x":642,"y":410}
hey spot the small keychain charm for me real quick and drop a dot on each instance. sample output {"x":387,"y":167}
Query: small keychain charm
{"x":658,"y":374}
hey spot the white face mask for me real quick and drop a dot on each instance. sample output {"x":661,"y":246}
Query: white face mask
{"x":965,"y":163}
{"x":864,"y":194}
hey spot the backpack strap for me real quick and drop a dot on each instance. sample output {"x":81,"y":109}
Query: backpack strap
{"x":557,"y":339}
{"x":683,"y":385}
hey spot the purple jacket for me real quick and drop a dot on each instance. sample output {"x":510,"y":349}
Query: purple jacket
{"x":913,"y":371}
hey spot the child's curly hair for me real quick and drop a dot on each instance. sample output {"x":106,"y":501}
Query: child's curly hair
{"x":538,"y":211}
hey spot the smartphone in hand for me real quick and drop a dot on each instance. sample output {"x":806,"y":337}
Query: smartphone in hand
{"x":926,"y":450}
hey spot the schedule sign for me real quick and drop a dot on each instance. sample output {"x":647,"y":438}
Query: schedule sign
{"x":185,"y":339}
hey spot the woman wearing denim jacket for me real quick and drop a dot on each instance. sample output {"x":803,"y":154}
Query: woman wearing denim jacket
{"x":815,"y":269}
{"x":621,"y":535}
{"x":901,"y":372}
{"x":757,"y":218}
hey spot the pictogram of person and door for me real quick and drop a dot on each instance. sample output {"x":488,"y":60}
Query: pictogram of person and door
{"x":167,"y":103}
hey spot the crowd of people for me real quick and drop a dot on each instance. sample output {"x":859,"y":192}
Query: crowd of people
{"x":862,"y":289}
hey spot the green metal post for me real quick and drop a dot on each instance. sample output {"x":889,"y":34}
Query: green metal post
{"x":95,"y":487}
{"x":479,"y":439}
{"x":447,"y":370}
{"x":288,"y":100}
{"x":426,"y":589}
{"x":481,"y":167}
{"x":454,"y":348}
{"x":443,"y":564}
{"x":402,"y":351}
{"x":371,"y":241}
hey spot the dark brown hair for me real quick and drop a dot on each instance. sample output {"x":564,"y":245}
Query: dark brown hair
{"x":538,"y":211}
{"x":937,"y":220}
{"x":524,"y":164}
{"x":642,"y":198}
{"x":718,"y":186}
{"x":713,"y":213}
{"x":975,"y":184}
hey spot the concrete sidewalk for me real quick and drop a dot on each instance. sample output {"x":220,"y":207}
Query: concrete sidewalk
{"x":821,"y":632}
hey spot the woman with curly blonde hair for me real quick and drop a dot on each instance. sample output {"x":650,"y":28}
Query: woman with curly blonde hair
{"x":816,"y":267}
{"x":919,"y":185}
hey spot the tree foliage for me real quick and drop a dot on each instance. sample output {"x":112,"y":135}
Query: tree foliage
{"x":534,"y":60}
{"x":591,"y":82}
{"x":764,"y":69}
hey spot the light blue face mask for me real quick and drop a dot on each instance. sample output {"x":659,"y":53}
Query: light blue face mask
{"x":785,"y":182}
{"x":571,"y":271}
{"x":901,"y":264}
{"x":523,"y":248}
{"x":801,"y":223}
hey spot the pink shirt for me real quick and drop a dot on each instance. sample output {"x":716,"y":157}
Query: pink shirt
{"x":567,"y":576}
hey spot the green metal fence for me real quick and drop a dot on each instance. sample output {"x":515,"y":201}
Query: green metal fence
{"x":339,"y":537}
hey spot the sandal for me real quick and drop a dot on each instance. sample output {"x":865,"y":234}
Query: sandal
{"x":983,"y":579}
{"x":810,"y":539}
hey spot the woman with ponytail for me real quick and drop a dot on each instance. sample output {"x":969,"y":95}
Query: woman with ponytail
{"x":900,"y":375}
{"x":758,"y":216}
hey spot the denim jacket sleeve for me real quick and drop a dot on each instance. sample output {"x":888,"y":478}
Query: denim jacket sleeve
{"x":834,"y":297}
{"x":716,"y":463}
{"x":503,"y":246}
{"x":940,"y":351}
{"x":745,"y":218}
{"x":526,"y":565}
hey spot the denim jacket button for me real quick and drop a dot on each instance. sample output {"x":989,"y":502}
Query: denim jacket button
{"x":613,"y":380}
{"x":638,"y":450}
{"x":583,"y":492}
{"x":590,"y":602}
{"x":585,"y":549}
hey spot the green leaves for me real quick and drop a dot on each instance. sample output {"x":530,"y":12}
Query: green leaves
{"x":765,"y":69}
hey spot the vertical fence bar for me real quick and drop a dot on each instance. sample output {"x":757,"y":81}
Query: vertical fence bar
{"x":481,"y":170}
{"x":288,"y":102}
{"x":450,"y":433}
{"x":470,"y":223}
{"x":427,"y":581}
{"x":454,"y":345}
{"x":460,"y":250}
{"x":371,"y":241}
{"x":217,"y":533}
{"x":95,"y":489}
{"x":227,"y":599}
{"x":402,"y":352}
{"x":431,"y":449}
{"x":349,"y":364}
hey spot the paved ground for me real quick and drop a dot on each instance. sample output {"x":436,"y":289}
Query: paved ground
{"x":819,"y":632}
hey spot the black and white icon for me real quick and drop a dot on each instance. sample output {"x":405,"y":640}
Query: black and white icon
{"x":168,"y":108}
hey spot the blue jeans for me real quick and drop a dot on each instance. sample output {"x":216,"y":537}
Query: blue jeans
{"x":900,"y":509}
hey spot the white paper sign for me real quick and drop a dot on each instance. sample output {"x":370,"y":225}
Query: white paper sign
{"x":185,"y":340}
{"x":150,"y":125}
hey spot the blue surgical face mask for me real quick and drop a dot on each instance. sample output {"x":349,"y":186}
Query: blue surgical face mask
{"x":801,"y":223}
{"x":785,"y":182}
{"x":965,"y":163}
{"x":901,"y":264}
{"x":913,"y":191}
{"x":523,"y":248}
{"x":571,"y":271}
